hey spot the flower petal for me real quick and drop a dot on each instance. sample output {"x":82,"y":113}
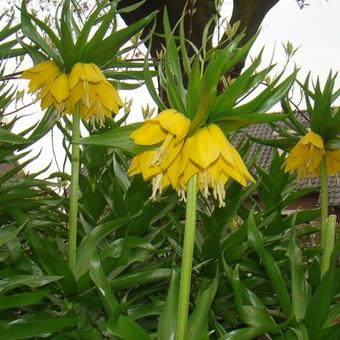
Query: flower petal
{"x":204,"y":151}
{"x":59,"y":89}
{"x":149,"y":133}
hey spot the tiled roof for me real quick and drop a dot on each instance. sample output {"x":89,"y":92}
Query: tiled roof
{"x":264,"y":157}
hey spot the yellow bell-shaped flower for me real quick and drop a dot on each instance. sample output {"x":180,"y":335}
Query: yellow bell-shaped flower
{"x":169,"y":128}
{"x":51,"y":85}
{"x":209,"y":154}
{"x":333,"y":162}
{"x":97,"y":97}
{"x":40,"y":75}
{"x":306,"y":156}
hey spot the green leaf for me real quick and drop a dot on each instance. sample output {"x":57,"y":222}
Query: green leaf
{"x":118,"y":137}
{"x":32,"y":281}
{"x":248,"y":333}
{"x":11,"y":138}
{"x":319,"y":305}
{"x":140,"y":278}
{"x":250,"y":308}
{"x":168,"y":318}
{"x":90,"y":242}
{"x":127,"y":329}
{"x":149,"y":81}
{"x":101,"y":52}
{"x":67,"y":48}
{"x":89,"y":24}
{"x":329,"y":333}
{"x":273,"y":271}
{"x":118,"y":324}
{"x":99,"y":278}
{"x":227,"y":100}
{"x":234,"y":123}
{"x":24,"y":329}
{"x":51,"y":261}
{"x":106,"y":21}
{"x":44,"y":126}
{"x":198,"y":320}
{"x":267,"y":98}
{"x":23,"y":299}
{"x":300,"y":296}
{"x":31,"y":32}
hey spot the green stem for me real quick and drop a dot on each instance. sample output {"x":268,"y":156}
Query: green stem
{"x":188,"y":250}
{"x":73,"y":216}
{"x":329,"y":239}
{"x":324,"y":201}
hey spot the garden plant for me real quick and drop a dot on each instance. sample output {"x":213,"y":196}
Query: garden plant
{"x":167,"y":228}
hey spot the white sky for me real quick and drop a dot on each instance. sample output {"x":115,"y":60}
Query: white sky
{"x":315,"y":30}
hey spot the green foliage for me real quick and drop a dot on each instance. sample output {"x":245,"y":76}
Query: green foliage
{"x":251,"y":276}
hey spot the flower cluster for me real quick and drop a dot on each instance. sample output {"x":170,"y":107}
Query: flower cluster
{"x":85,"y":84}
{"x":333,"y":162}
{"x":206,"y":153}
{"x":306,"y":156}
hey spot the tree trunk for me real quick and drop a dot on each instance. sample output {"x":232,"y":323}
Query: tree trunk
{"x":194,"y":24}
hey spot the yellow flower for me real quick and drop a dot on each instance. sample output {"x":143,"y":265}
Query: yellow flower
{"x":50,"y":83}
{"x":209,"y":154}
{"x":306,"y":155}
{"x":97,"y":97}
{"x":169,"y":128}
{"x":333,"y":162}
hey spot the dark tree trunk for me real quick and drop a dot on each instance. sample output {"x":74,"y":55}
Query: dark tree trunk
{"x":194,"y":24}
{"x":250,"y":13}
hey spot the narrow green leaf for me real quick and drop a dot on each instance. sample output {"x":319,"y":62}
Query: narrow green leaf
{"x":140,"y":278}
{"x":30,"y":32}
{"x":119,"y":325}
{"x":24,"y":329}
{"x":51,"y":261}
{"x":117,"y":138}
{"x":300,"y":294}
{"x":106,"y":50}
{"x":319,"y":305}
{"x":67,"y":48}
{"x":226,"y":100}
{"x":198,"y":320}
{"x":127,"y":329}
{"x":168,"y":317}
{"x":89,"y":24}
{"x":273,"y":271}
{"x":22,"y":299}
{"x":99,"y":278}
{"x":32,"y":281}
{"x":248,"y":333}
{"x":90,"y":242}
{"x":11,"y":138}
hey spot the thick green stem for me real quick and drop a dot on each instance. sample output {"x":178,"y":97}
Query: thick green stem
{"x":329,"y":239}
{"x":73,"y":215}
{"x":324,"y":201}
{"x":188,"y":250}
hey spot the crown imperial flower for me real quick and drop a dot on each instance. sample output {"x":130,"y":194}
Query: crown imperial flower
{"x":333,"y":162}
{"x":207,"y":154}
{"x":97,"y":97}
{"x":86,"y":85}
{"x":50,"y":84}
{"x":169,"y":128}
{"x":306,"y":156}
